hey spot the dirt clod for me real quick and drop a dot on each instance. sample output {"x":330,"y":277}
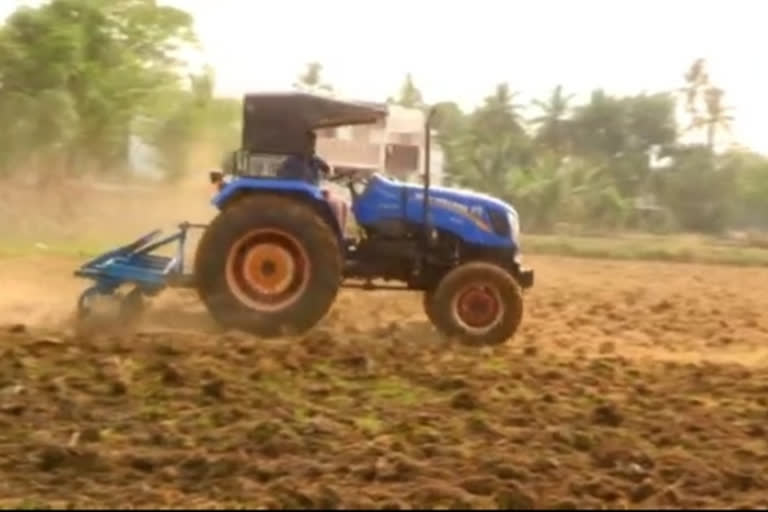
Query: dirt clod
{"x":214,"y":388}
{"x":13,"y":409}
{"x":49,"y":341}
{"x":617,"y":392}
{"x":608,"y":347}
{"x":17,"y":329}
{"x":52,"y":457}
{"x":450,"y":384}
{"x":642,"y":492}
{"x":143,"y":464}
{"x":172,"y":376}
{"x":511,"y":472}
{"x":582,"y":441}
{"x":118,"y":388}
{"x":194,"y":468}
{"x":464,"y":400}
{"x":607,"y":415}
{"x":90,"y":435}
{"x":480,"y":485}
{"x":514,"y":498}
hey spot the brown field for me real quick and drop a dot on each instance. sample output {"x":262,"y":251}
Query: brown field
{"x":630,"y":385}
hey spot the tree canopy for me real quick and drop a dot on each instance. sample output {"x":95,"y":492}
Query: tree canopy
{"x":82,"y":80}
{"x":611,"y":162}
{"x":75,"y":74}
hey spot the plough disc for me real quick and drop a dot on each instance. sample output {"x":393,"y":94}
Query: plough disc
{"x":100,"y":311}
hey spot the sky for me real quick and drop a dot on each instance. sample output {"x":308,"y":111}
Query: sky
{"x":460,"y":49}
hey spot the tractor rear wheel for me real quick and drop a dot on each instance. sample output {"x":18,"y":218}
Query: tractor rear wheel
{"x":479,"y":303}
{"x":269,"y":266}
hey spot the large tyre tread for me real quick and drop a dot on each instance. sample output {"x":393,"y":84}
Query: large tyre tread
{"x":511,"y":294}
{"x":428,"y":304}
{"x":300,"y":220}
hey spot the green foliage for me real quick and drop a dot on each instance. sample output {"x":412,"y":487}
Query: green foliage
{"x":75,"y":75}
{"x":595,"y":165}
{"x":448,"y":119}
{"x":705,"y":104}
{"x":698,"y":189}
{"x":312,"y":79}
{"x":197,"y":127}
{"x":410,"y":96}
{"x":751,"y":173}
{"x":80,"y":78}
{"x":555,"y":130}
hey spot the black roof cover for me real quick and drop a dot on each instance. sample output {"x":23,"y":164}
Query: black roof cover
{"x":276,"y":123}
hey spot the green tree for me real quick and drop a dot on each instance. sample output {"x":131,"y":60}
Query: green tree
{"x":499,"y":113}
{"x":650,"y":121}
{"x":553,"y":126}
{"x":311,"y":80}
{"x":696,"y":79}
{"x":751,"y":171}
{"x":621,"y":133}
{"x":599,"y":127}
{"x":492,"y":144}
{"x":717,"y":116}
{"x":649,"y":125}
{"x":573,"y":191}
{"x":699,"y":190}
{"x":450,"y":124}
{"x":448,"y":118}
{"x":98,"y":64}
{"x":704,"y":103}
{"x":198,"y":129}
{"x":409,"y":95}
{"x":540,"y":193}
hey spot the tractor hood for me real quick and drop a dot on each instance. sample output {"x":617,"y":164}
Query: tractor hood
{"x":460,"y":198}
{"x":466,"y":202}
{"x":476,"y":201}
{"x":466,"y":196}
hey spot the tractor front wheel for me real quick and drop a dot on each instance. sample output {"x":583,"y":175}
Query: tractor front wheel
{"x":268,"y":265}
{"x":478,"y":303}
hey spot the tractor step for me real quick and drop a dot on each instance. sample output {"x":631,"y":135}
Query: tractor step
{"x":369,"y":286}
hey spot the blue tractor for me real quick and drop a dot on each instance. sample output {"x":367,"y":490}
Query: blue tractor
{"x":275,"y":256}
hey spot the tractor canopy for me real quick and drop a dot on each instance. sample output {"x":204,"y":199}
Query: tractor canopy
{"x":277,"y":123}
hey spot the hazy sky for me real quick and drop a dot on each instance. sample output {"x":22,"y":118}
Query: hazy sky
{"x":459,"y":49}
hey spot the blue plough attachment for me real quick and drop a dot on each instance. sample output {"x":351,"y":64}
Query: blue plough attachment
{"x":135,"y":264}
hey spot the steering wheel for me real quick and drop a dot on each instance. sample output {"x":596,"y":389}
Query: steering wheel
{"x":350,"y":178}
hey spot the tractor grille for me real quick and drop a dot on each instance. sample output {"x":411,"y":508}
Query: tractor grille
{"x":499,"y":223}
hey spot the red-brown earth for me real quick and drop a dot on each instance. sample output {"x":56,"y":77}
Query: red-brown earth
{"x":630,"y":385}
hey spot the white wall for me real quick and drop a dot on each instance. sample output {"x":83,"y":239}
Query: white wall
{"x":400,"y":121}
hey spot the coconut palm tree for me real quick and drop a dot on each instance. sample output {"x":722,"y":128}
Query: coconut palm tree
{"x":698,"y":89}
{"x":312,"y":80}
{"x":717,"y":116}
{"x":553,"y":123}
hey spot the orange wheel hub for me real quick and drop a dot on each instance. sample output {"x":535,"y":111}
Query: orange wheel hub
{"x":478,"y":307}
{"x":267,"y":270}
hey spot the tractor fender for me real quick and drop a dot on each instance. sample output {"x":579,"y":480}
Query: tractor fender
{"x":300,"y":190}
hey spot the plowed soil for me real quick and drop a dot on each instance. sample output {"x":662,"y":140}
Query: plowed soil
{"x":630,"y":385}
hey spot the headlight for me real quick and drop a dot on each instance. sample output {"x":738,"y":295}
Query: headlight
{"x":514,"y":226}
